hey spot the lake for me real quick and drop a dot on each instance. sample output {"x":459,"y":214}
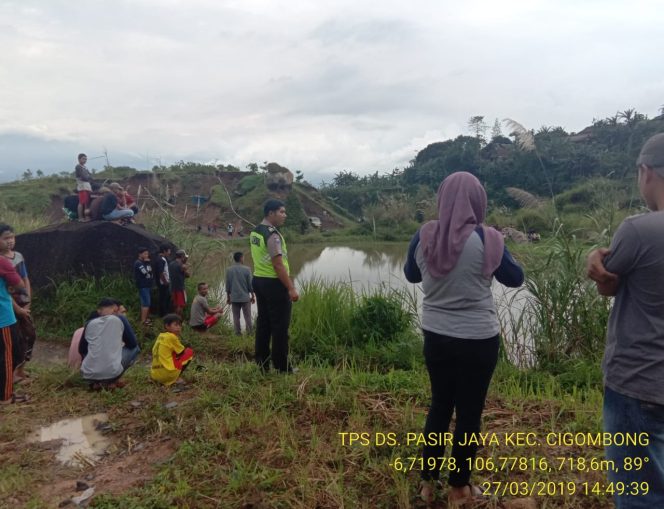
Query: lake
{"x":369,"y":265}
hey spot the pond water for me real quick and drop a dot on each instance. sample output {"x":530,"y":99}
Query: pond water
{"x":367,"y":266}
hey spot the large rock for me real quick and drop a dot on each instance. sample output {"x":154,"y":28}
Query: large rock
{"x":278,"y":178}
{"x":70,"y":249}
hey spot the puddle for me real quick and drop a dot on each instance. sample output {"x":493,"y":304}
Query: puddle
{"x":83,"y":441}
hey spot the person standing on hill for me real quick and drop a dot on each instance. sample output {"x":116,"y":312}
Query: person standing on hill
{"x":456,"y":257}
{"x":273,"y":287}
{"x":632,"y":270}
{"x":240,"y":293}
{"x":143,"y":277}
{"x":163,"y":280}
{"x":178,"y":271}
{"x":83,"y":186}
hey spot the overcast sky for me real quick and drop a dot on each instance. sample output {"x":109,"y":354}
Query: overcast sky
{"x":315,"y":86}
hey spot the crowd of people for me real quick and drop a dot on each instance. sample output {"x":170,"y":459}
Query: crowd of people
{"x":455,"y":257}
{"x":96,"y":202}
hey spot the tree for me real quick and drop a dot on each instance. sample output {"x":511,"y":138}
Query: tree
{"x":345,"y":178}
{"x":27,"y":174}
{"x":478,"y":127}
{"x":252,"y":167}
{"x":40,"y":174}
{"x":298,"y":176}
{"x":496,"y":131}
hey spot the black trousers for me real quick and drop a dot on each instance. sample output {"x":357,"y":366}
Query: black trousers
{"x":274,"y":314}
{"x":460,"y":371}
{"x":164,"y":299}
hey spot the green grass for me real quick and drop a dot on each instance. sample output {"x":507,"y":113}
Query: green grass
{"x":332,"y":324}
{"x":239,"y":437}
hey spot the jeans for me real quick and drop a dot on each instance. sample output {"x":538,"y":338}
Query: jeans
{"x":129,"y":356}
{"x":245,"y":307}
{"x":626,"y":415}
{"x":274,"y":314}
{"x":460,"y":371}
{"x":118,"y":214}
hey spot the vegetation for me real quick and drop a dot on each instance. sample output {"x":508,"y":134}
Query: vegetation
{"x":334,"y":325}
{"x":239,"y":438}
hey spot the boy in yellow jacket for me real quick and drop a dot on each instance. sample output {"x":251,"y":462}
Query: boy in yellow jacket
{"x":169,"y":356}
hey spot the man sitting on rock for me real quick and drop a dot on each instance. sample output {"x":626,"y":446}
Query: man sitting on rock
{"x":106,"y":351}
{"x":111,"y":210}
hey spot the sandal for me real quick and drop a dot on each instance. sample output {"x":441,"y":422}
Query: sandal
{"x":428,"y":490}
{"x":459,"y":503}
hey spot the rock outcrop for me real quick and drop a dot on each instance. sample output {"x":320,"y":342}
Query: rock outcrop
{"x":278,"y":178}
{"x":71,"y":249}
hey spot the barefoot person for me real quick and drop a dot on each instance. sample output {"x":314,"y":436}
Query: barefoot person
{"x":83,"y":187}
{"x":632,"y":270}
{"x":144,"y":279}
{"x":456,"y":257}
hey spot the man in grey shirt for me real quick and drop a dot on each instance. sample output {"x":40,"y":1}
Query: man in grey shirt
{"x":632,"y":270}
{"x":240,"y":292}
{"x":106,"y":351}
{"x":202,"y":315}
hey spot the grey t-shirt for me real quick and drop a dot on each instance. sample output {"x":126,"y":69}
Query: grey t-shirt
{"x":104,"y":358}
{"x":459,"y":304}
{"x":633,"y":362}
{"x":238,"y":282}
{"x":199,"y":308}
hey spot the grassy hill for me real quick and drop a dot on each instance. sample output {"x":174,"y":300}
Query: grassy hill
{"x":225,"y":196}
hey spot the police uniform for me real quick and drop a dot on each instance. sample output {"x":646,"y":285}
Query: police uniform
{"x":272,"y":299}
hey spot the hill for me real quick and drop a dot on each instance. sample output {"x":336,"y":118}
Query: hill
{"x":200,"y":196}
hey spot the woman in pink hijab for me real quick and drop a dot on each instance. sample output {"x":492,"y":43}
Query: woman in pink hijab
{"x":456,"y":257}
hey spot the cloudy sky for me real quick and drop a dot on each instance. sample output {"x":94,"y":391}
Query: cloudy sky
{"x":315,"y":86}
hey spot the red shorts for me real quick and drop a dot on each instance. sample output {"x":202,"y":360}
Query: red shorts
{"x":179,"y":299}
{"x":84,"y":198}
{"x":210,"y":320}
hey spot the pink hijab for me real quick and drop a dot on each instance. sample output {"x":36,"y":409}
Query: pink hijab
{"x":461,"y":208}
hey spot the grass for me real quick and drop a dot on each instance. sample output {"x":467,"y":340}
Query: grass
{"x":333,"y":324}
{"x":239,"y":438}
{"x":561,"y":317}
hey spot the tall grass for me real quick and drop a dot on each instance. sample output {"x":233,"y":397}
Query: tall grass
{"x":20,"y":221}
{"x":561,"y":318}
{"x":333,"y":324}
{"x":65,"y":306}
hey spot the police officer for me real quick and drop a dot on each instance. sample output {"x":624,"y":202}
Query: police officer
{"x":273,"y":287}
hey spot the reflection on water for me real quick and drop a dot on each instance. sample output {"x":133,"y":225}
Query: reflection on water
{"x":81,"y":438}
{"x":370,"y":265}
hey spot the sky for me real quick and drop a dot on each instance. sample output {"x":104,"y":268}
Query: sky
{"x":319,"y":87}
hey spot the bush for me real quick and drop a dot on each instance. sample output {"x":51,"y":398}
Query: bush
{"x":333,"y":325}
